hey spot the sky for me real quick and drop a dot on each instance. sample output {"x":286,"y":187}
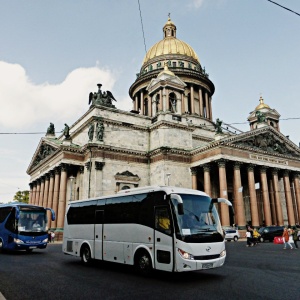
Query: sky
{"x":53,"y":54}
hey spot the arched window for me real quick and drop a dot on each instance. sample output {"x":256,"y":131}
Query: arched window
{"x":125,"y":187}
{"x":172,"y":102}
{"x":189,"y":103}
{"x":146,"y":106}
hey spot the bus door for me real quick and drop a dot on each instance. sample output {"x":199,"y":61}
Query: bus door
{"x":163,"y":242}
{"x":99,"y":234}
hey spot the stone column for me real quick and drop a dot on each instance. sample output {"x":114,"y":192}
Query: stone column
{"x":142,"y":102}
{"x":99,"y":187}
{"x":210,"y":109}
{"x":183,"y":107}
{"x":239,"y":208}
{"x":160,"y":100}
{"x":135,"y":101}
{"x":46,"y":190}
{"x":297,"y":192}
{"x":194,"y":178}
{"x":33,"y":192}
{"x":30,"y":192}
{"x":253,"y":199}
{"x":164,"y":100}
{"x":201,"y":102}
{"x":207,"y":106}
{"x":167,"y":100}
{"x":272,"y":202}
{"x":265,"y":196}
{"x":50,"y":196}
{"x":225,"y":220}
{"x":207,"y":181}
{"x":62,"y":197}
{"x":38,"y":192}
{"x":279,"y":215}
{"x":81,"y":182}
{"x":149,"y":106}
{"x":55,"y":196}
{"x":41,"y":197}
{"x":288,"y":198}
{"x":192,"y":100}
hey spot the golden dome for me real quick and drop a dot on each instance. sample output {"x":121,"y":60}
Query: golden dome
{"x":170,"y":45}
{"x":261,"y":104}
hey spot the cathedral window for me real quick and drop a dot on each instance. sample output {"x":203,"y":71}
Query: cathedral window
{"x":174,"y":64}
{"x":150,"y":68}
{"x":181,"y":64}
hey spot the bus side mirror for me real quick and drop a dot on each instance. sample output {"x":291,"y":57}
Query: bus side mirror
{"x":179,"y":203}
{"x":221,"y":200}
{"x":52,"y":213}
{"x":17,"y":213}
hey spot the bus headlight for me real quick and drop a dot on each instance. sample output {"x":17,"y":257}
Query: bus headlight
{"x":45,"y":241}
{"x":17,"y":241}
{"x":185,"y":255}
{"x":223,"y":253}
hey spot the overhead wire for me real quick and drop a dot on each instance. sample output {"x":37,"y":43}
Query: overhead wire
{"x":284,"y":7}
{"x":142,"y":26}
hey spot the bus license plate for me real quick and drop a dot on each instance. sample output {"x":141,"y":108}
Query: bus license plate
{"x":32,"y":247}
{"x":207,"y":266}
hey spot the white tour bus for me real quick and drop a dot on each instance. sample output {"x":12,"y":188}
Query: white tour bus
{"x":164,"y":228}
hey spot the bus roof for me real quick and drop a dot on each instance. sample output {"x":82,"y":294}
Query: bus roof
{"x":14,"y":204}
{"x":147,"y":189}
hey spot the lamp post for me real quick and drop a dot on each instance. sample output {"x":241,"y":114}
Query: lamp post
{"x":168,"y":178}
{"x":71,"y":187}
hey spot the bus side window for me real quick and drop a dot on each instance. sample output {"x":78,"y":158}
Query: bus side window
{"x":11,"y":222}
{"x":162,"y":220}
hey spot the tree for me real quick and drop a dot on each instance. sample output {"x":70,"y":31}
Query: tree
{"x":22,"y":196}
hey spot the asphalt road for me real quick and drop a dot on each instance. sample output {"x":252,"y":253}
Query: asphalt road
{"x":265,"y":272}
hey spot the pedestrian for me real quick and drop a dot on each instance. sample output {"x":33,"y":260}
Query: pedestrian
{"x":255,"y":236}
{"x":295,"y":236}
{"x":286,"y":238}
{"x":52,"y":236}
{"x":249,"y":239}
{"x":49,"y":237}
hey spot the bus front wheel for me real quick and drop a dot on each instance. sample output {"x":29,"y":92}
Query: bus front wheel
{"x":86,"y":256}
{"x":143,"y":263}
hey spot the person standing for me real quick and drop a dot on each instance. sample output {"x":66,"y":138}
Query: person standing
{"x":295,"y":236}
{"x":286,"y":238}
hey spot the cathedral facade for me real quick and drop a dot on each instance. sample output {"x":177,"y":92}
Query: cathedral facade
{"x":169,"y":138}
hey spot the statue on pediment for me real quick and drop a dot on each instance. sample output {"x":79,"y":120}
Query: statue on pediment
{"x":66,"y":132}
{"x":218,"y":126}
{"x":51,"y":129}
{"x":101,"y":98}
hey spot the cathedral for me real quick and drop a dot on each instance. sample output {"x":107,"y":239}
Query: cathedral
{"x":168,"y":137}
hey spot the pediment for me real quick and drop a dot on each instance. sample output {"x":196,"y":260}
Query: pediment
{"x":266,"y":140}
{"x":169,"y":80}
{"x":44,"y":150}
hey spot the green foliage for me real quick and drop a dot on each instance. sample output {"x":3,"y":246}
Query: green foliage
{"x":22,"y":196}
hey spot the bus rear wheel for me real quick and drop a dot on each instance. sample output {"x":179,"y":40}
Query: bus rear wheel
{"x":143,"y":263}
{"x":86,"y":256}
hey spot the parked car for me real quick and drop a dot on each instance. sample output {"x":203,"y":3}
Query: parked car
{"x":231,"y":234}
{"x":269,"y":232}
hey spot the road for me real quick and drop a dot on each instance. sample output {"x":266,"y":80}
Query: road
{"x":265,"y":272}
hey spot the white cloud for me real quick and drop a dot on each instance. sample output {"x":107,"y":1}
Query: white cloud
{"x":24,"y":103}
{"x":197,"y":3}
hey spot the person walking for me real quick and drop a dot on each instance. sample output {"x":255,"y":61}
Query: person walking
{"x":249,"y":239}
{"x":295,"y":236}
{"x":286,"y":238}
{"x":255,"y":236}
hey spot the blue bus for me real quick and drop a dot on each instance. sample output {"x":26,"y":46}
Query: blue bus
{"x":23,"y":226}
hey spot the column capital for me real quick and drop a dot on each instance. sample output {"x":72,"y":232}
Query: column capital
{"x":31,"y":185}
{"x":275,"y":171}
{"x":64,"y":167}
{"x":99,"y":165}
{"x":237,"y":165}
{"x":296,"y":175}
{"x":42,"y":178}
{"x":51,"y":173}
{"x":263,"y":169}
{"x":206,"y":167}
{"x":194,"y":170}
{"x":250,"y":167}
{"x":88,"y":165}
{"x":221,"y":163}
{"x":81,"y":169}
{"x":286,"y":172}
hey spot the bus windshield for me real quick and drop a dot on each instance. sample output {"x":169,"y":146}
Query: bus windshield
{"x":199,"y":222}
{"x":32,"y":220}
